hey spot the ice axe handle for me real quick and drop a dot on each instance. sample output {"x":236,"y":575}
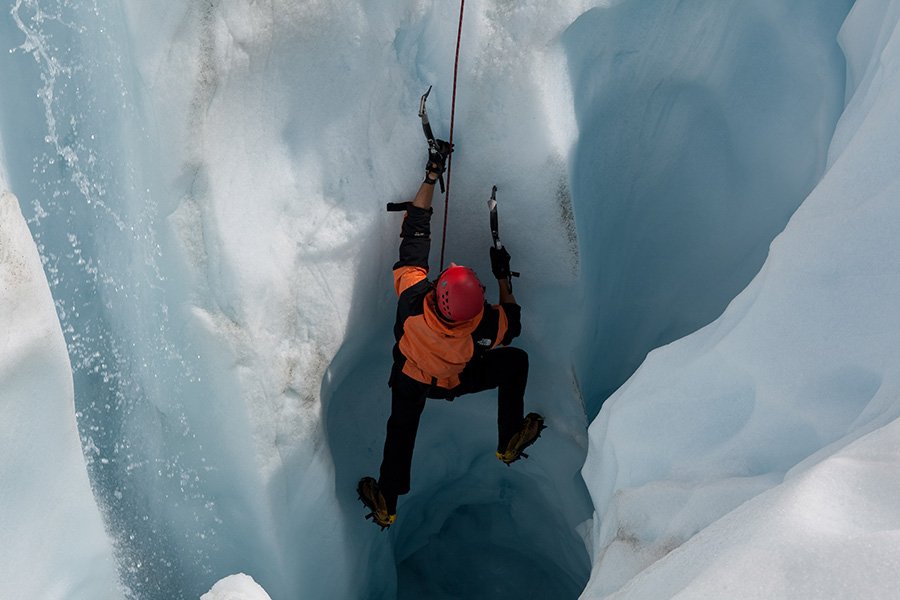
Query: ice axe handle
{"x":495,"y":230}
{"x":429,"y":134}
{"x":423,"y":114}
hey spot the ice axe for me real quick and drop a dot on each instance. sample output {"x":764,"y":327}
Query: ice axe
{"x":432,"y":146}
{"x":429,"y":135}
{"x":495,"y":230}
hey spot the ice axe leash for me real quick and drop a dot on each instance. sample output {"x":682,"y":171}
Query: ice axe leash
{"x":495,"y":231}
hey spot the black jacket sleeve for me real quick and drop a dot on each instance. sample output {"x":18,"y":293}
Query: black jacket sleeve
{"x":415,"y":234}
{"x":487,"y":334}
{"x":514,"y":322}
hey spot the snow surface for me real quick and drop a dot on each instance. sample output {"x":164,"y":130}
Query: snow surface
{"x":236,"y":587}
{"x":205,"y":183}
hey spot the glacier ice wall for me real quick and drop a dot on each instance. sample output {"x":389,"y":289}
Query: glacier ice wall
{"x":702,"y":126}
{"x":54,"y":543}
{"x":158,"y":374}
{"x":756,"y":458}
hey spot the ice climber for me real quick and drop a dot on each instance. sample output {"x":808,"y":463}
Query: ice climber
{"x":450,"y":342}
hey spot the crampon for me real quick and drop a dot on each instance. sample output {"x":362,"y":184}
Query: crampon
{"x":374,"y":500}
{"x":530,"y":431}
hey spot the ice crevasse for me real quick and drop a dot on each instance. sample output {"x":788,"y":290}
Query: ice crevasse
{"x":204,"y":188}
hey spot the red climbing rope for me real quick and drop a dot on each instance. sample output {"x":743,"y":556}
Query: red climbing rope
{"x":462,"y":6}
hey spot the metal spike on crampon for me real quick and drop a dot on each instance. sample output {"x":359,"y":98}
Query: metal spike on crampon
{"x":371,"y":497}
{"x":532,"y":426}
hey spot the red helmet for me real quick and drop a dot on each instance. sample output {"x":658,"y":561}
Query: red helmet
{"x":460,"y":295}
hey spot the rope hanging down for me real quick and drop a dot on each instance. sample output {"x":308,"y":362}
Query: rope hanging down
{"x":462,"y":6}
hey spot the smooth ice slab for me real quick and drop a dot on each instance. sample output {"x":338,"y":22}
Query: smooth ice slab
{"x":54,"y":544}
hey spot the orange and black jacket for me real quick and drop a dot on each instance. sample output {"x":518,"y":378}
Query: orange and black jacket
{"x":430,"y":349}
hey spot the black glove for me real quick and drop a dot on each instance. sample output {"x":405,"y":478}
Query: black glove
{"x":500,"y":263}
{"x":437,"y":156}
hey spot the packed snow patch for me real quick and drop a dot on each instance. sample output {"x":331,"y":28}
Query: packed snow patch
{"x":236,"y":587}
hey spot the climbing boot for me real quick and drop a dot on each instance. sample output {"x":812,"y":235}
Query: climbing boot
{"x":374,"y":500}
{"x":530,"y":431}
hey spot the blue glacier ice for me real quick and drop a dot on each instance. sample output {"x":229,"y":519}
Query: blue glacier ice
{"x":54,"y":543}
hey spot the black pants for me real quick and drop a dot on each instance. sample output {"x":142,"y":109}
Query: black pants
{"x":503,"y":368}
